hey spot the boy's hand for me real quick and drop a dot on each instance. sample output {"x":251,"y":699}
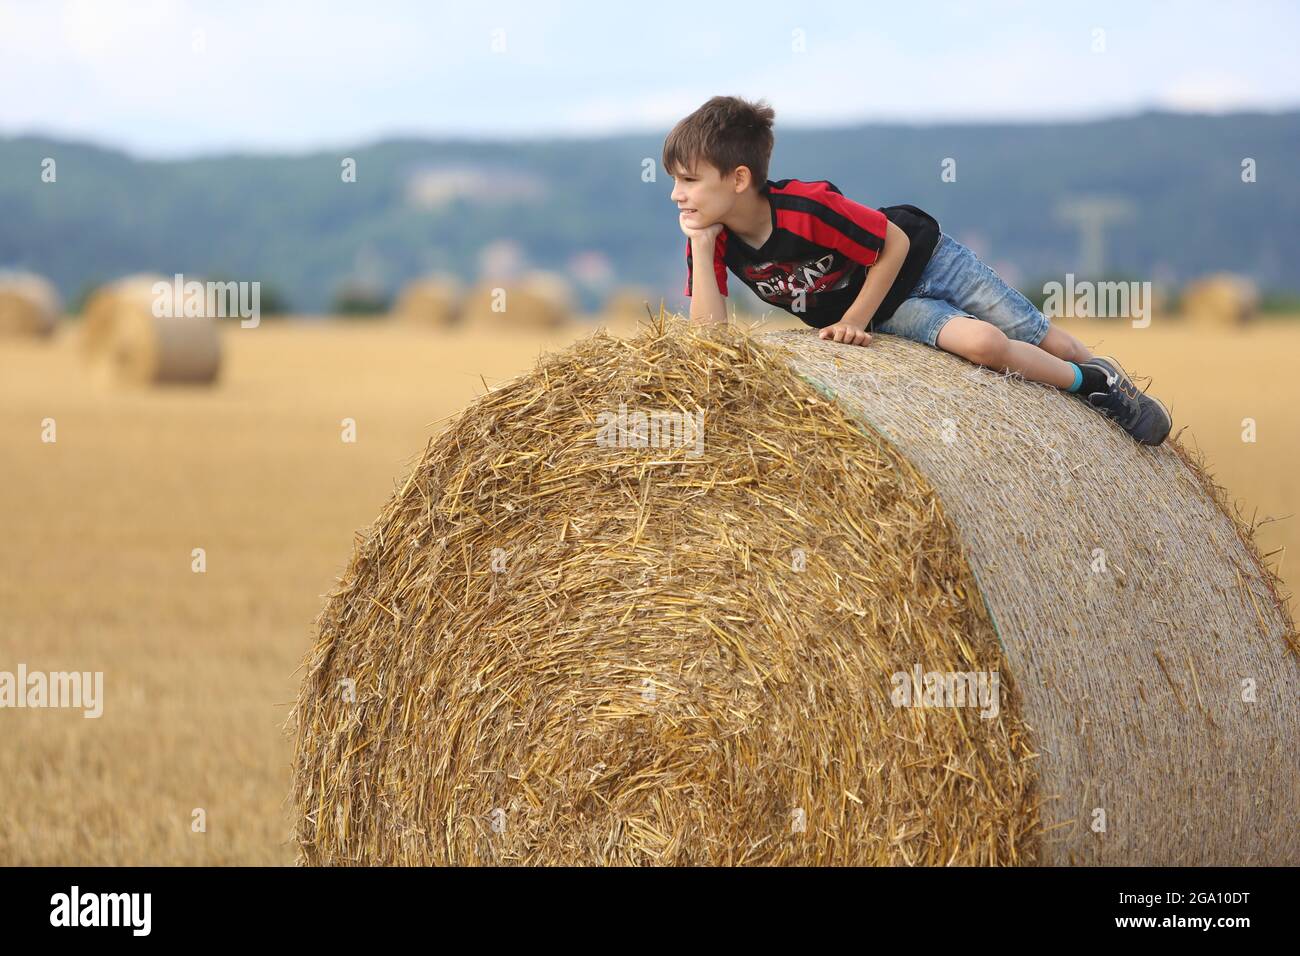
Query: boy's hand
{"x":696,"y":234}
{"x":846,"y":332}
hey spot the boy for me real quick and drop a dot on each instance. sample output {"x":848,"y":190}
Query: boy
{"x":845,"y":268}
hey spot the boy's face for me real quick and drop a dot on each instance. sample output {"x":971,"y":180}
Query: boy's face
{"x":703,"y":195}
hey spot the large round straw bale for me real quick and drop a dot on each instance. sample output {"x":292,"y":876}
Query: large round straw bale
{"x":1221,"y":300}
{"x":556,"y":647}
{"x":537,"y":300}
{"x":125,"y":341}
{"x":29,"y":304}
{"x":432,"y":301}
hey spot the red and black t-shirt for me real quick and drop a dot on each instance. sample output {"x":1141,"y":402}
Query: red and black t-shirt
{"x":822,"y":245}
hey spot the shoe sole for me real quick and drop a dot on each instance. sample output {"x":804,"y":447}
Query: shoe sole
{"x":1169,"y":419}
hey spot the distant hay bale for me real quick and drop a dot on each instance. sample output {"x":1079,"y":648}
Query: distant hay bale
{"x":1222,"y":300}
{"x":101,"y":308}
{"x":125,"y":342}
{"x":537,"y":300}
{"x":557,"y":647}
{"x":627,"y":308}
{"x":630,"y":302}
{"x":433,"y":301}
{"x":29,"y":304}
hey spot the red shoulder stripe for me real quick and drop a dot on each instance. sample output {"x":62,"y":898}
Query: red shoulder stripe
{"x":821,"y":214}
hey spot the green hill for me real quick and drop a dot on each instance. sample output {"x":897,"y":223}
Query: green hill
{"x":292,"y":223}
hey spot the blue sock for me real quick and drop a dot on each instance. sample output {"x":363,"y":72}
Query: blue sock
{"x":1078,"y":377}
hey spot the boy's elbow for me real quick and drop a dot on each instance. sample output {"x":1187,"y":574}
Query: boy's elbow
{"x":701,"y":317}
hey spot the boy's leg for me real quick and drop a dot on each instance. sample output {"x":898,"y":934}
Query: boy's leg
{"x":1065,"y":346}
{"x":990,"y":323}
{"x":1143,"y":417}
{"x":985,"y":344}
{"x":1016,"y":336}
{"x":940,"y":324}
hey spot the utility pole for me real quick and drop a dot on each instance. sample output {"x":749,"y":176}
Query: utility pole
{"x":1091,"y":214}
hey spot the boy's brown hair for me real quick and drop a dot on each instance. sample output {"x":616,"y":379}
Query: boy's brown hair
{"x":726,"y":132}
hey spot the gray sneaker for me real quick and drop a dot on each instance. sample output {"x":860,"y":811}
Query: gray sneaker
{"x":1139,"y":414}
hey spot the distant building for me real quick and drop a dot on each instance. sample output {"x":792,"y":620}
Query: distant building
{"x":431,"y":189}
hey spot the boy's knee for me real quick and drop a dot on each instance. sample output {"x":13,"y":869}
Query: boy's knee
{"x":986,"y":344}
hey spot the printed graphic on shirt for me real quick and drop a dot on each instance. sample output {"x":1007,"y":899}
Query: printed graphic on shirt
{"x":781,"y":282}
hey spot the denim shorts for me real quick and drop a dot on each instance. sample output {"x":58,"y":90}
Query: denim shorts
{"x":956,"y":282}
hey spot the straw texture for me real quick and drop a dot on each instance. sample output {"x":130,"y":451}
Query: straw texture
{"x":549,"y":650}
{"x":1132,"y":676}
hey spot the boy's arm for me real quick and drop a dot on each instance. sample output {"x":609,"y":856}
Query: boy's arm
{"x":880,"y":277}
{"x":708,"y":305}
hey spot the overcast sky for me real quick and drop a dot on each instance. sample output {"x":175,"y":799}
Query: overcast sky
{"x":168,"y":78}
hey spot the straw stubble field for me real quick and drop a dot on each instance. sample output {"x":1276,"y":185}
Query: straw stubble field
{"x":200,"y":669}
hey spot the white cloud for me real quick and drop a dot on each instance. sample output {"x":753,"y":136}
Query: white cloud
{"x":296,"y":75}
{"x":641,"y":110}
{"x":1208,"y":92}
